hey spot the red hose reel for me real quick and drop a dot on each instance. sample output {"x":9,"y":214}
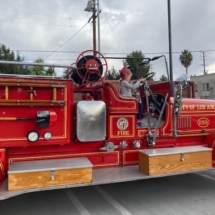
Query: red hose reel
{"x":91,"y":67}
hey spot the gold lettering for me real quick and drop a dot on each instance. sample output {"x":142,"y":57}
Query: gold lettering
{"x":201,"y":107}
{"x":203,"y":122}
{"x":185,"y":107}
{"x":198,"y":107}
{"x":210,"y":107}
{"x":125,"y":132}
{"x":192,"y":107}
{"x":122,"y":133}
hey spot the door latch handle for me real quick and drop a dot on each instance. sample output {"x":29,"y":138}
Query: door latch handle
{"x":52,"y":175}
{"x":182,"y":157}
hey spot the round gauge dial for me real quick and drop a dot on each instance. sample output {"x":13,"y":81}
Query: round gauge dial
{"x":47,"y":135}
{"x":33,"y":136}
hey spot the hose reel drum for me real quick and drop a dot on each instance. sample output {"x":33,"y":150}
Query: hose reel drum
{"x":91,"y":67}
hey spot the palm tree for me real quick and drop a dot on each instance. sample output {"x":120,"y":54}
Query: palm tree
{"x":186,"y":59}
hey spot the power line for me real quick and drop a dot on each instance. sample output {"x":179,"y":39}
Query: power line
{"x":160,"y":53}
{"x":88,"y":40}
{"x":51,"y":59}
{"x":114,"y":33}
{"x":191,"y":67}
{"x":45,"y":51}
{"x":66,"y":41}
{"x":38,"y":14}
{"x":108,"y":53}
{"x":107,"y":39}
{"x":70,"y":26}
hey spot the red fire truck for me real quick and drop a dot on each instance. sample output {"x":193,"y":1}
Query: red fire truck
{"x":76,"y":130}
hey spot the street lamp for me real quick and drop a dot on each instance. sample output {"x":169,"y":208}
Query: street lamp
{"x":90,"y":6}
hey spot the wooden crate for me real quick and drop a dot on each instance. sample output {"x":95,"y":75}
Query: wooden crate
{"x":37,"y":174}
{"x":173,"y":160}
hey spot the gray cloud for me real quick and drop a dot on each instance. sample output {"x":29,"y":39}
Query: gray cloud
{"x":125,"y":26}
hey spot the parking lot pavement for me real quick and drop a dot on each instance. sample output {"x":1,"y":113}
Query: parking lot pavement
{"x":192,"y":194}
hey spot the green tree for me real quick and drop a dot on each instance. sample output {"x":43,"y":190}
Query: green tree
{"x":40,"y":70}
{"x":7,"y":55}
{"x":50,"y":71}
{"x":37,"y":70}
{"x":113,"y":74}
{"x":138,"y":72}
{"x":186,"y":58}
{"x":163,"y":78}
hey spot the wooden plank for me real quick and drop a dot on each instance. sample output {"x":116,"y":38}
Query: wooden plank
{"x":6,"y":93}
{"x":19,"y":84}
{"x":172,"y":163}
{"x":31,"y":94}
{"x":161,"y":161}
{"x":31,"y":104}
{"x":32,"y":101}
{"x":144,"y":163}
{"x":54,"y":94}
{"x":31,"y":79}
{"x":19,"y":181}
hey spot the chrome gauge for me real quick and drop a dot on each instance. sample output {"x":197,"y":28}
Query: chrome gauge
{"x":33,"y":136}
{"x":47,"y":135}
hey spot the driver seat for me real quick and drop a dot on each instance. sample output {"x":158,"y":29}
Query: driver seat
{"x":114,"y":100}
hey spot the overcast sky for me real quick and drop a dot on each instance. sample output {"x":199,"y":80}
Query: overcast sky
{"x":44,"y":25}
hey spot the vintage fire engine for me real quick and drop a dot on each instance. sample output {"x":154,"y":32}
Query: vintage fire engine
{"x":77,"y":130}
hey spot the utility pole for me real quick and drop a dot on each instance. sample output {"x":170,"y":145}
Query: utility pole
{"x":203,"y":58}
{"x":204,"y":62}
{"x":94,"y":26}
{"x":91,"y":7}
{"x":98,"y":9}
{"x":170,"y":45}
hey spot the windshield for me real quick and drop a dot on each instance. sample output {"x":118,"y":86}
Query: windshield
{"x":159,"y":67}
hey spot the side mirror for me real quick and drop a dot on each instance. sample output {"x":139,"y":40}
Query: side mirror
{"x":183,"y":80}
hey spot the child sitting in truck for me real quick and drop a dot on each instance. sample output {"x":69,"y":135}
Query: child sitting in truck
{"x":126,"y":87}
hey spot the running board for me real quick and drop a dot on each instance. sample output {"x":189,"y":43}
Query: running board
{"x":100,"y":176}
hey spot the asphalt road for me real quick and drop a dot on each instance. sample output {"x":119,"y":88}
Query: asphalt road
{"x":175,"y":195}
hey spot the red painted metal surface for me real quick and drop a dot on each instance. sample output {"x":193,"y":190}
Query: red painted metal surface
{"x":210,"y":141}
{"x":3,"y":164}
{"x":18,"y":103}
{"x":197,"y":115}
{"x":23,"y":97}
{"x":53,"y":117}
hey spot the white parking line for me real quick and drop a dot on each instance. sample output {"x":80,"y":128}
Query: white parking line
{"x":206,"y":176}
{"x":82,"y":210}
{"x":119,"y":207}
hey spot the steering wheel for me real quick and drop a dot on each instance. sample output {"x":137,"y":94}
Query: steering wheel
{"x":149,"y":75}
